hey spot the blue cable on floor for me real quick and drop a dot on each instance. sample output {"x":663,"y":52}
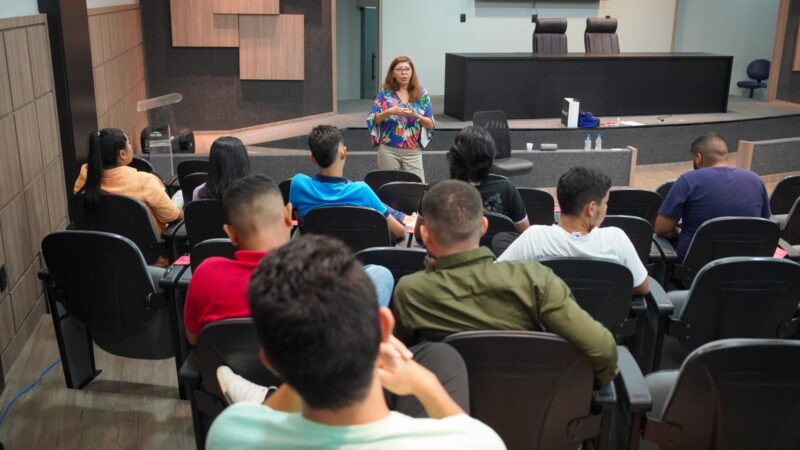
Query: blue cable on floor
{"x":25,"y":391}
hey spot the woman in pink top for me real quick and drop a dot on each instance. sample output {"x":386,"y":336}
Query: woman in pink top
{"x":107,"y":170}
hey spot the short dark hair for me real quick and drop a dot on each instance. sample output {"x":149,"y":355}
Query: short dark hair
{"x":579,"y":186}
{"x":316,"y":315}
{"x":705,"y":145}
{"x":252,"y":201}
{"x":324,"y":143}
{"x":452,"y":210}
{"x":471,"y":155}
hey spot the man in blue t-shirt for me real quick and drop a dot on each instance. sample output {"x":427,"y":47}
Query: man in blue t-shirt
{"x":712,"y":190}
{"x":329,"y":187}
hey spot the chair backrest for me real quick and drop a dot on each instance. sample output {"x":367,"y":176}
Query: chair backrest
{"x":737,"y":393}
{"x":530,"y":387}
{"x":285,"y":186}
{"x":634,"y":202}
{"x":601,"y":35}
{"x":357,"y":227}
{"x":102,"y":281}
{"x":399,"y":261}
{"x":498,"y":223}
{"x":758,"y":69}
{"x":741,"y":297}
{"x":539,"y":205}
{"x":190,"y":166}
{"x":121,"y":215}
{"x":786,"y":192}
{"x":204,"y":220}
{"x":664,"y":188}
{"x":211,"y":247}
{"x":549,"y":36}
{"x":791,"y":228}
{"x":378,"y":178}
{"x":730,"y":236}
{"x":403,"y":195}
{"x":603,"y":288}
{"x":142,"y":165}
{"x":189,"y":183}
{"x":638,"y":230}
{"x":496,"y":123}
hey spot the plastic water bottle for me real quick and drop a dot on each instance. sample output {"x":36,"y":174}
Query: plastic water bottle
{"x":598,"y":143}
{"x":587,"y":144}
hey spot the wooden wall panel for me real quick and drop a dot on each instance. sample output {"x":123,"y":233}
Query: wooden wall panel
{"x":16,"y":239}
{"x":272,"y":47}
{"x":194,"y":24}
{"x":42,"y":72}
{"x":10,"y":176}
{"x":6,"y":105}
{"x":246,"y":7}
{"x":30,"y":150}
{"x":49,"y":137}
{"x":19,"y":67}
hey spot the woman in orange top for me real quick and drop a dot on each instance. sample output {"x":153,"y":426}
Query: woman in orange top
{"x":107,"y":170}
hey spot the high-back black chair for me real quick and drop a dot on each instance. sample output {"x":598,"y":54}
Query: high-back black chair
{"x":727,"y":236}
{"x":191,"y":166}
{"x":402,"y":195}
{"x":638,"y":230}
{"x":399,"y":261}
{"x":786,"y":192}
{"x":731,"y":394}
{"x":603,"y":288}
{"x":601,"y":35}
{"x":534,"y":389}
{"x":664,"y":188}
{"x":229,"y":342}
{"x":142,"y":165}
{"x":549,"y":36}
{"x":496,"y":124}
{"x":204,"y":220}
{"x":758,"y":71}
{"x":121,"y":215}
{"x":498,"y":223}
{"x":357,"y":227}
{"x":539,"y":205}
{"x":737,"y":297}
{"x":285,"y":186}
{"x":378,"y":178}
{"x":211,"y":247}
{"x":189,"y":183}
{"x":790,"y":229}
{"x":634,"y":202}
{"x":99,"y":290}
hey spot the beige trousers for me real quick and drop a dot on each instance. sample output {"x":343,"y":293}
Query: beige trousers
{"x":407,"y":159}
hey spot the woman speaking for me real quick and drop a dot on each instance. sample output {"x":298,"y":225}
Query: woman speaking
{"x":401,"y":119}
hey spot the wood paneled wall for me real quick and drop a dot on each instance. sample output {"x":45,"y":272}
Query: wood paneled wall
{"x":32,"y":195}
{"x":118,"y":64}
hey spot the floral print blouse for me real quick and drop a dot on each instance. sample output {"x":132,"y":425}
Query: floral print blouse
{"x":395,"y":130}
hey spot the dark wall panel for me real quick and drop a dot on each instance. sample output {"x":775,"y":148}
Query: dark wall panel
{"x":214,"y":96}
{"x":789,"y":81}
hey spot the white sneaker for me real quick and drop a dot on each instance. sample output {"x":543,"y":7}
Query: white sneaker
{"x":237,"y":389}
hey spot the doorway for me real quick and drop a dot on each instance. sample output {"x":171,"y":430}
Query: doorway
{"x":369,"y":52}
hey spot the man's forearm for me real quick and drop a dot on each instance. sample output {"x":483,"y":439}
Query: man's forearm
{"x":435,"y":399}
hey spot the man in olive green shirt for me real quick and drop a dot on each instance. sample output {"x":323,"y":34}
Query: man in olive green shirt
{"x":463,"y":288}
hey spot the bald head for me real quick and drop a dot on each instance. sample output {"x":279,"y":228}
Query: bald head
{"x":711,"y":149}
{"x":252,"y":204}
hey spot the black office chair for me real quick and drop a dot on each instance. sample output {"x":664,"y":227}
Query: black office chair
{"x":285,"y":186}
{"x":786,"y":192}
{"x":601,"y":35}
{"x":100,"y":290}
{"x":125,"y":216}
{"x":402,"y":195}
{"x":204,"y":220}
{"x":539,"y":205}
{"x":790,"y":228}
{"x":498,"y":223}
{"x":211,"y":247}
{"x":758,"y":70}
{"x":664,"y":188}
{"x":142,"y":165}
{"x":549,"y":36}
{"x":189,"y":183}
{"x":536,"y":390}
{"x":729,"y":394}
{"x":496,"y":124}
{"x":229,"y":342}
{"x":634,"y":202}
{"x":378,"y":178}
{"x":639,"y":231}
{"x":190,"y":166}
{"x":738,"y":297}
{"x":399,"y":261}
{"x":357,"y":227}
{"x":603,"y":288}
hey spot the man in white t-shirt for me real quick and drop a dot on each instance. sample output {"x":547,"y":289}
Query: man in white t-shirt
{"x":583,"y":197}
{"x":321,"y":330}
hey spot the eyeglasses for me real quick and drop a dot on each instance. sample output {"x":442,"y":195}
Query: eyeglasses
{"x":402,"y":69}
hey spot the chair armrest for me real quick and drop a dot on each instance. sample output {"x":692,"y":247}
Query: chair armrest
{"x":630,"y":383}
{"x":657,"y":299}
{"x":605,"y":396}
{"x":169,"y":232}
{"x":43,"y":273}
{"x":171,"y":276}
{"x":172,"y":185}
{"x":792,"y":252}
{"x":185,"y":278}
{"x":174,"y":238}
{"x":189,"y":372}
{"x":665,"y":247}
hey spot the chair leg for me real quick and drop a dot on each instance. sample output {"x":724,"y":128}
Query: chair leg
{"x":74,"y":344}
{"x":751,"y":92}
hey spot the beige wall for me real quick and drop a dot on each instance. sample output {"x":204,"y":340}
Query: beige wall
{"x":32,"y":197}
{"x":115,"y":34}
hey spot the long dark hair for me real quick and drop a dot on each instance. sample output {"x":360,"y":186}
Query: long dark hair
{"x":471,"y":155}
{"x":104,"y":146}
{"x":227,"y":163}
